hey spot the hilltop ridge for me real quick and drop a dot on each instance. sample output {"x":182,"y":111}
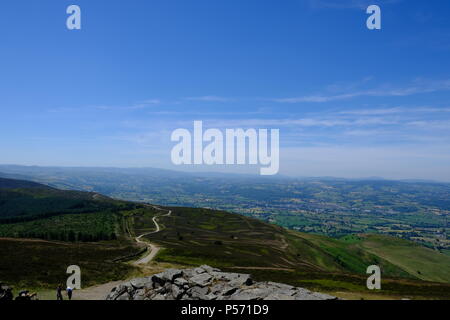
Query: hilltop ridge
{"x":6,"y":183}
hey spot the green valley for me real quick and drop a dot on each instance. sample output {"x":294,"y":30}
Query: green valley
{"x":98,"y":233}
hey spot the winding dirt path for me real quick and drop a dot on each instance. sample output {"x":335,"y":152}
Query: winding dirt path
{"x":100,"y":292}
{"x":153,"y":250}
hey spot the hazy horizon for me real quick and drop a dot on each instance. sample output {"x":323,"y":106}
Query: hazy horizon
{"x":223,"y":172}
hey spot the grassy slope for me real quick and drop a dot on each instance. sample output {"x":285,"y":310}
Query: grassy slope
{"x":407,"y":256}
{"x":228,"y":240}
{"x":422,"y":262}
{"x":236,"y":243}
{"x":347,"y":257}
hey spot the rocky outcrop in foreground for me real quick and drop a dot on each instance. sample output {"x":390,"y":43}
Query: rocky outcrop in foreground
{"x":207,"y":283}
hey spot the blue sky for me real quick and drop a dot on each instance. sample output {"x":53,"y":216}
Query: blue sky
{"x":348,"y":101}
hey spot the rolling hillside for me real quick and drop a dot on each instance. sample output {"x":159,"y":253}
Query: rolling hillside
{"x":413,"y":210}
{"x":22,"y":200}
{"x":29,"y":209}
{"x":420,"y":261}
{"x":94,"y":231}
{"x":194,"y":236}
{"x":44,"y":230}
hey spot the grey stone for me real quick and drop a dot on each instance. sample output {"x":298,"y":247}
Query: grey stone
{"x":160,"y":290}
{"x":240,"y":280}
{"x":224,"y":276}
{"x":180,"y":282}
{"x":150,"y":285}
{"x":209,"y":269}
{"x":302,"y":291}
{"x":140,"y":283}
{"x":235,"y":279}
{"x":210,"y":296}
{"x":198,"y":293}
{"x":167,"y":276}
{"x":176,"y":292}
{"x":223,"y":289}
{"x":202,"y":279}
{"x":168,"y":286}
{"x":124,"y":296}
{"x":199,"y":270}
{"x":189,"y":273}
{"x":207,"y":283}
{"x":305,"y":297}
{"x":218,"y":288}
{"x":139,"y":298}
{"x":118,"y":291}
{"x":139,"y":295}
{"x":172,"y":274}
{"x":251,"y":294}
{"x":279,"y":296}
{"x":158,"y":279}
{"x":280,"y":285}
{"x":323,"y":296}
{"x":159,"y":297}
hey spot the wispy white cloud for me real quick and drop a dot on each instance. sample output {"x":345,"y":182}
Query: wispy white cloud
{"x":208,"y":99}
{"x":394,"y":110}
{"x":320,"y":122}
{"x":151,"y":102}
{"x":375,"y":111}
{"x":136,"y":106}
{"x":63,"y":110}
{"x":431,"y":124}
{"x":416,"y":87}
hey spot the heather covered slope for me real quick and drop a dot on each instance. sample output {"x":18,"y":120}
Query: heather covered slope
{"x":44,"y":230}
{"x":196,"y":236}
{"x":23,"y":200}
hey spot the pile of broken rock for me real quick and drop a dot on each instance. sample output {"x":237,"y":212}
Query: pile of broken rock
{"x":207,"y":283}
